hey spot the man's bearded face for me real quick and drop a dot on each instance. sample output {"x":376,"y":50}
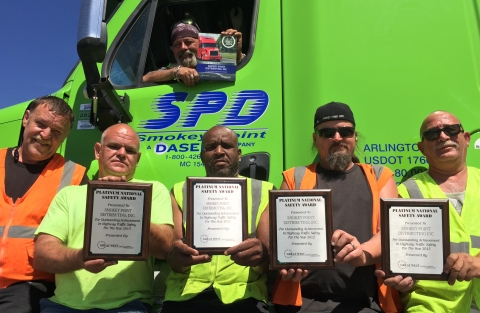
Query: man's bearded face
{"x":187,"y":58}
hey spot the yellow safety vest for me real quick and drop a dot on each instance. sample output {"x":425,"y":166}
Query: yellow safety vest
{"x":230,"y":281}
{"x":439,"y":296}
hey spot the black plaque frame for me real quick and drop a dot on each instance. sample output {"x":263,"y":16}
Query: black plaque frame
{"x":326,"y":194}
{"x":386,"y":205}
{"x":147,"y":204}
{"x":190,"y":227}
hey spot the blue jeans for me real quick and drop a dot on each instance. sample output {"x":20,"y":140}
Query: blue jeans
{"x":136,"y":306}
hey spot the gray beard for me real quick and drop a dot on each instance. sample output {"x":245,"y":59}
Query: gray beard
{"x":190,"y":61}
{"x":339,"y":160}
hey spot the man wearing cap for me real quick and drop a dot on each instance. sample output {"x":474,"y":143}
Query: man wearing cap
{"x":356,"y":191}
{"x":444,"y":143}
{"x":184,"y":46}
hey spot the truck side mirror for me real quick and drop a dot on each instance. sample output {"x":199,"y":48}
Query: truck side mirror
{"x":92,"y":40}
{"x":107,"y":108}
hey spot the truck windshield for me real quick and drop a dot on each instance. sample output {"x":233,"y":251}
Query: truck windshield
{"x":208,"y":45}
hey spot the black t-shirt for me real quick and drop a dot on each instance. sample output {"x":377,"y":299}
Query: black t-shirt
{"x":19,"y":177}
{"x":345,"y":289}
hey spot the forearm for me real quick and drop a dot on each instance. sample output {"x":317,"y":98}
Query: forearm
{"x":160,"y":76}
{"x":161,"y":238}
{"x":52,"y":256}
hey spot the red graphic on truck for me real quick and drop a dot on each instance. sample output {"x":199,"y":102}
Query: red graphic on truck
{"x":208,"y":50}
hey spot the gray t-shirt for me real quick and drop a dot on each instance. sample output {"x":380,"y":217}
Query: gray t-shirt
{"x":345,"y":289}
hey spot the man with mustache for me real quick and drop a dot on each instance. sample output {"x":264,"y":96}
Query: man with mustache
{"x":356,"y":191}
{"x":184,"y":46}
{"x":30,"y":176}
{"x":444,"y":143}
{"x":235,"y":281}
{"x":101,"y":285}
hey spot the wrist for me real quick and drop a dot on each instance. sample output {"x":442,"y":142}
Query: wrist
{"x":78,"y":255}
{"x":240,"y":57}
{"x":175,"y":73}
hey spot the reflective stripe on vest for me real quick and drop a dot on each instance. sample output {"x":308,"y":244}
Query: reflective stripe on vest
{"x":67,"y":175}
{"x":184,"y":204}
{"x":21,"y":232}
{"x":377,"y":169}
{"x":455,"y":247}
{"x":298,"y":174}
{"x":413,"y":189}
{"x":459,"y":247}
{"x":256,"y":198}
{"x":475,"y":241}
{"x":256,"y":195}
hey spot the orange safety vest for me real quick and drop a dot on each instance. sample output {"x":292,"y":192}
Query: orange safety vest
{"x":20,"y":219}
{"x":289,"y":292}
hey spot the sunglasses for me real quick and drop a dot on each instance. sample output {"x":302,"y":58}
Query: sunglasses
{"x":330,"y":132}
{"x":449,"y":130}
{"x":188,"y":21}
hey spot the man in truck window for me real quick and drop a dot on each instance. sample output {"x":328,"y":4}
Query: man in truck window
{"x":444,"y":143}
{"x":356,"y":192}
{"x":184,"y":46}
{"x":30,"y":176}
{"x":100,"y":285}
{"x":235,"y":281}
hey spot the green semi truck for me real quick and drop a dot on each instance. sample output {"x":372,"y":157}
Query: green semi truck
{"x":393,"y":62}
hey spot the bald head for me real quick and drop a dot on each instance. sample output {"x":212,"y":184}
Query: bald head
{"x":118,"y":151}
{"x":220,"y":129}
{"x":220,"y":153}
{"x":444,"y":143}
{"x":120,"y":129}
{"x":436,"y":118}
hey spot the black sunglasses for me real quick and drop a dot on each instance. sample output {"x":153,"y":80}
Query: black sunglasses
{"x":330,"y":132}
{"x":449,"y":130}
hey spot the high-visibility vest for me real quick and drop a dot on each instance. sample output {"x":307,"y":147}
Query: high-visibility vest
{"x":231,"y":282}
{"x":20,"y":219}
{"x":439,"y":296}
{"x":289,"y":292}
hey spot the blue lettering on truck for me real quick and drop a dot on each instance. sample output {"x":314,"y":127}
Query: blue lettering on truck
{"x":244,"y":108}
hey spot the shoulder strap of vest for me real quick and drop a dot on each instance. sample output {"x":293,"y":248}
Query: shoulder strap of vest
{"x":298,"y":174}
{"x":256,"y":198}
{"x":413,"y":189}
{"x":3,"y":154}
{"x":184,"y":203}
{"x":304,"y":177}
{"x":67,"y":175}
{"x":377,"y":169}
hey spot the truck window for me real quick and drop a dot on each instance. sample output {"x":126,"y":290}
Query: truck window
{"x":125,"y":65}
{"x":212,"y":16}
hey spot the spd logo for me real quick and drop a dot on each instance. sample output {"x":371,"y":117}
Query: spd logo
{"x":243,"y":108}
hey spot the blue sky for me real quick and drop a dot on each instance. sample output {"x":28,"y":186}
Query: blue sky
{"x":38,"y":47}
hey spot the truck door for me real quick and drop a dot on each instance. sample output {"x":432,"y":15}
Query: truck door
{"x":171,"y":118}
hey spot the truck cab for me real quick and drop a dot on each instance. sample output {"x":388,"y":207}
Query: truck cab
{"x":393,"y":63}
{"x":207,"y":49}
